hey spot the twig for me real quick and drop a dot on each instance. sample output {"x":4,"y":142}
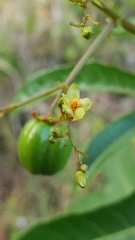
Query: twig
{"x":41,"y":95}
{"x":89,"y":52}
{"x":76,"y":148}
{"x":117,"y":18}
{"x":70,"y":77}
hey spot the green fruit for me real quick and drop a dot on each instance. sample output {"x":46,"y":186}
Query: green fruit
{"x":37,"y":154}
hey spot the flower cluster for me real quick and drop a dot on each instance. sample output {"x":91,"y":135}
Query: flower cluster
{"x":72,"y":106}
{"x":87,"y":31}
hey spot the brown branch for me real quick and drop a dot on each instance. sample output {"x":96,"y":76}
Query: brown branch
{"x":117,"y":18}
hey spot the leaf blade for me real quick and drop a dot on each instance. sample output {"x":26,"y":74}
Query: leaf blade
{"x":106,"y":137}
{"x":111,"y":177}
{"x":89,"y":226}
{"x":93,"y":77}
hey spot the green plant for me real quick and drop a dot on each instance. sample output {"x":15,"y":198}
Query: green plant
{"x":105,"y":209}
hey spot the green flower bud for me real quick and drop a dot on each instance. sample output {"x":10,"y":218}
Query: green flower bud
{"x":80,"y":179}
{"x":60,"y":102}
{"x":57,"y":133}
{"x":84,"y":168}
{"x":87,"y":32}
{"x":52,"y":140}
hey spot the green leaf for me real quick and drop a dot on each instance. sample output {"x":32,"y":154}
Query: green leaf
{"x":107,"y":136}
{"x":111,"y":177}
{"x":9,"y":69}
{"x":116,"y":222}
{"x":93,"y":77}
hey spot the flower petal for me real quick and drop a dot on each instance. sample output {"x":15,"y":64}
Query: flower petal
{"x":73,"y":92}
{"x":85,"y":103}
{"x":65,"y":99}
{"x":68,"y":111}
{"x":79,"y":113}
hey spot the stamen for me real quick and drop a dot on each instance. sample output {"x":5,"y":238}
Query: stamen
{"x":74,"y":104}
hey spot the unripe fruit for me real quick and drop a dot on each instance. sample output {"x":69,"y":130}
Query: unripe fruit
{"x":37,"y":154}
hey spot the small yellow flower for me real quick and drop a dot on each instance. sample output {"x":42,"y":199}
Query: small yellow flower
{"x":73,"y":106}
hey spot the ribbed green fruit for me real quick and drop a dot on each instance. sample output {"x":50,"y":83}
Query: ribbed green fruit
{"x":37,"y":154}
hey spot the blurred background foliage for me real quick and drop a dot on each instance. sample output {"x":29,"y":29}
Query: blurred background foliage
{"x":35,"y":35}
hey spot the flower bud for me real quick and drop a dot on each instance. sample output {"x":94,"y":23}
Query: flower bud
{"x":60,"y":103}
{"x":52,"y":140}
{"x":87,"y":32}
{"x":57,"y":133}
{"x":80,"y":179}
{"x":84,"y":168}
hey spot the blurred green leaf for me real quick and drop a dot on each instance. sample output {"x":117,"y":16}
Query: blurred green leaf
{"x":116,"y":222}
{"x":111,"y":177}
{"x":93,"y":77}
{"x":9,"y":69}
{"x":106,"y":137}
